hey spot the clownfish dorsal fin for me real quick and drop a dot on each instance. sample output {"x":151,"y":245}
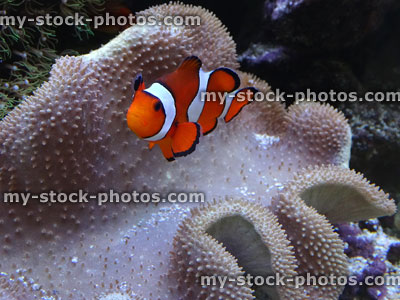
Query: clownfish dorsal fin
{"x":185,"y":138}
{"x":191,"y":63}
{"x":223,"y":80}
{"x":183,"y":84}
{"x":242,"y":97}
{"x":138,"y":83}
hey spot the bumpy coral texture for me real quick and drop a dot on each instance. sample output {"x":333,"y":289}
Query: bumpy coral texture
{"x":19,"y":288}
{"x":72,"y":134}
{"x":318,"y":250}
{"x":331,"y":190}
{"x":220,"y":237}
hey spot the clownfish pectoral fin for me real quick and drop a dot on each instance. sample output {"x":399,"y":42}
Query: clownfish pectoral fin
{"x":138,"y":83}
{"x":241,"y":98}
{"x":223,"y":80}
{"x":185,"y":138}
{"x":151,"y":145}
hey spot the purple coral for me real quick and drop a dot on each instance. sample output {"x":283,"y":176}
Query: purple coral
{"x":357,"y":245}
{"x":393,"y":254}
{"x":368,"y":292}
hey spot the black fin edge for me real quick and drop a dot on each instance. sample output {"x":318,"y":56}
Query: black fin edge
{"x":193,"y":147}
{"x":212,"y":129}
{"x":250,"y":88}
{"x":232,"y":73}
{"x":138,"y":81}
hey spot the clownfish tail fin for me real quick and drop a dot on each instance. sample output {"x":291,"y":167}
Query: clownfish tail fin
{"x":241,"y":98}
{"x":185,"y":138}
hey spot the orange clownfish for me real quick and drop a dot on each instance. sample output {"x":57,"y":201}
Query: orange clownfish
{"x":172,"y":112}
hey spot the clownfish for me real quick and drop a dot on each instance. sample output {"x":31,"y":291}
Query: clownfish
{"x":172,"y":112}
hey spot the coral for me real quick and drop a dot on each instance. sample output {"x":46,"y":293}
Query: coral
{"x":117,"y":296}
{"x":372,"y":292}
{"x":29,"y":52}
{"x":20,"y":288}
{"x":330,"y":144}
{"x":318,"y":249}
{"x":71,"y":134}
{"x":369,"y":255}
{"x":338,"y":193}
{"x":228,"y":239}
{"x":393,"y":254}
{"x":357,"y":245}
{"x":370,"y":225}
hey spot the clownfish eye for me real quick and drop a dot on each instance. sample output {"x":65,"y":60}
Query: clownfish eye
{"x":157,"y":106}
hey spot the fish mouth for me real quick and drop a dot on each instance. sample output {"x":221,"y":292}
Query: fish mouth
{"x":136,"y":121}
